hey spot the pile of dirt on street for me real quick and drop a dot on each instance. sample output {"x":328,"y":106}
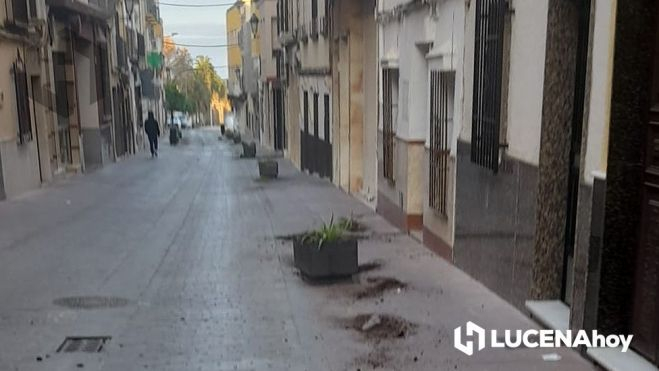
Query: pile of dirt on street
{"x":378,"y":358}
{"x":382,"y":326}
{"x":378,"y":286}
{"x":370,"y":266}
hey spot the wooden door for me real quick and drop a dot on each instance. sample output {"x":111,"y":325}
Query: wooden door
{"x":645,"y":322}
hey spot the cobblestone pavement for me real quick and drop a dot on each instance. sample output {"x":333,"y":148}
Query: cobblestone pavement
{"x":186,"y":245}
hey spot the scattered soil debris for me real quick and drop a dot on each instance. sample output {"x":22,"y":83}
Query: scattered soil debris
{"x":381,"y":326}
{"x":370,"y":266}
{"x":378,"y":286}
{"x":378,"y":358}
{"x":289,"y":237}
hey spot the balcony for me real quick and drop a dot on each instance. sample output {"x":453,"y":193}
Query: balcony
{"x":152,"y":12}
{"x":152,"y":9}
{"x":17,"y":18}
{"x":99,"y":9}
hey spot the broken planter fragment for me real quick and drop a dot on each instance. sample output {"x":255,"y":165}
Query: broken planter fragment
{"x":268,"y":169}
{"x":333,"y":259}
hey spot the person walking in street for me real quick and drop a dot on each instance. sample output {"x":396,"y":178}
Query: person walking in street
{"x":153,"y":132}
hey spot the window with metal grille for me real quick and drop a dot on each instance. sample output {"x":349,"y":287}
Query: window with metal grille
{"x":326,"y":112}
{"x":315,"y":116}
{"x":22,"y":102}
{"x":19,"y":11}
{"x":306,"y":112}
{"x":488,"y":76}
{"x":103,"y":81}
{"x":389,"y":114}
{"x":33,"y":9}
{"x":285,"y":18}
{"x":442,"y":90}
{"x":314,"y":9}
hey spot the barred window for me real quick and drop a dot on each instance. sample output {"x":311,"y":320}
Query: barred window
{"x":326,"y":112}
{"x":22,"y":102}
{"x":33,"y":9}
{"x":442,"y":90}
{"x":488,"y":76}
{"x":306,"y":112}
{"x":19,"y":11}
{"x":315,"y":115}
{"x":389,"y":115}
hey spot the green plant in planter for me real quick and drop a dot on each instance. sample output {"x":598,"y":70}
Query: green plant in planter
{"x":327,"y":233}
{"x":351,"y":224}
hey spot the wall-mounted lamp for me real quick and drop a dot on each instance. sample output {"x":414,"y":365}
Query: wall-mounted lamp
{"x":254,"y":23}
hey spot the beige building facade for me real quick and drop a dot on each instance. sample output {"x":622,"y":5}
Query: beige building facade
{"x":60,"y":103}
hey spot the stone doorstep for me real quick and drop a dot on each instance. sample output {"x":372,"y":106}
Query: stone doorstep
{"x":616,"y":360}
{"x":554,"y":314}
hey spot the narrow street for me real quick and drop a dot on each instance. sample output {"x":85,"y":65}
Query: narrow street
{"x":177,"y":261}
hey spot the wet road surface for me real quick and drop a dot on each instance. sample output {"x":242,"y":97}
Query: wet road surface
{"x":175,"y":260}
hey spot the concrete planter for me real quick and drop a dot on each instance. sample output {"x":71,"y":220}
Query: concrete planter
{"x":268,"y":169}
{"x":174,"y":135}
{"x":236,"y":138}
{"x":332,"y":260}
{"x":229,"y":134}
{"x":249,"y":150}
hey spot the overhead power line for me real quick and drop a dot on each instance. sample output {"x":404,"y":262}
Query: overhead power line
{"x":201,"y":46}
{"x":197,"y":5}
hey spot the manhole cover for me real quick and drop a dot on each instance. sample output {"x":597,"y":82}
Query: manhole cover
{"x":89,"y":344}
{"x":91,"y":302}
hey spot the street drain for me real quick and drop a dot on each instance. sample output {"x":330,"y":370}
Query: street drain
{"x":91,"y":302}
{"x":90,"y":344}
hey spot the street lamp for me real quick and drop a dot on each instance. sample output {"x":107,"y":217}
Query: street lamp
{"x":254,"y":23}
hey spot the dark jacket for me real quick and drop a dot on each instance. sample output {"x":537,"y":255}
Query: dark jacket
{"x":151,"y":127}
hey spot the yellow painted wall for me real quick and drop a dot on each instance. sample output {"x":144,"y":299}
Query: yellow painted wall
{"x":8,"y":110}
{"x":237,"y":16}
{"x":234,"y":19}
{"x":256,"y":41}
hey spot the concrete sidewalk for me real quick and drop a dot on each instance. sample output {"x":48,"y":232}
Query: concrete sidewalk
{"x":190,"y":242}
{"x":423,"y":291}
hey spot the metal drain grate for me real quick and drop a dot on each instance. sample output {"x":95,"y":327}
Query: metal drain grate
{"x":89,"y":344}
{"x":91,"y":302}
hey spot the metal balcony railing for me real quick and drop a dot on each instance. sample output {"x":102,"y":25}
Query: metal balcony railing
{"x":94,"y":8}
